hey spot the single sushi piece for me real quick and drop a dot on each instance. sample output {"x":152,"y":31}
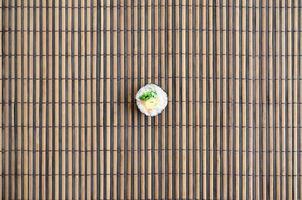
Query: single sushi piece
{"x":151,"y":100}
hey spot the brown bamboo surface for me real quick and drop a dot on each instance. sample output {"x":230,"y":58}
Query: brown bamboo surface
{"x":70,"y":128}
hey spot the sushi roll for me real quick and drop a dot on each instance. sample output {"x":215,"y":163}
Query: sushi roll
{"x":151,"y":100}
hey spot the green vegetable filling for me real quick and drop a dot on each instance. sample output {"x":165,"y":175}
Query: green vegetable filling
{"x":148,"y":95}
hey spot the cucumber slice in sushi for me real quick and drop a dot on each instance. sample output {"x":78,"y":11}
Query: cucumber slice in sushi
{"x":151,"y":100}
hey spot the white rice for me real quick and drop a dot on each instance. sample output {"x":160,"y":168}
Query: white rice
{"x":163,"y":100}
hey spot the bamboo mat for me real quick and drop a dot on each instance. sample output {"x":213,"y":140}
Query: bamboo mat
{"x":70,"y":128}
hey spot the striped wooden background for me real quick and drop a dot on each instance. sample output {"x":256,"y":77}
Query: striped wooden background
{"x":70,"y":128}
